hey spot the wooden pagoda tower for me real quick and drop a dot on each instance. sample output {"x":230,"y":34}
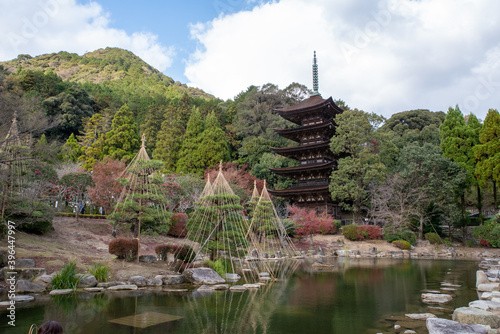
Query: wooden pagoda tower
{"x":316,"y":126}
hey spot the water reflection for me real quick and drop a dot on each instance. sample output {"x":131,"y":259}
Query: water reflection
{"x":352,"y":296}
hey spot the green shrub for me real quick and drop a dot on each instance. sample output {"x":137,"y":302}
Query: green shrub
{"x":66,"y":278}
{"x":405,"y":235}
{"x":470,"y":243}
{"x":186,"y":254}
{"x":221,"y":266}
{"x":433,"y":238}
{"x":338,"y":224}
{"x":351,"y":232}
{"x":100,"y":272}
{"x":489,"y":233}
{"x":402,"y":244}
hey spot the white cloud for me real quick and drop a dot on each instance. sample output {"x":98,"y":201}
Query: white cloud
{"x":45,"y":26}
{"x":385,"y":56}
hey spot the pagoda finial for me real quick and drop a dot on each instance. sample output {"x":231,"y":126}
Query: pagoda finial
{"x":143,"y":140}
{"x":315,"y":76}
{"x":220,"y":167}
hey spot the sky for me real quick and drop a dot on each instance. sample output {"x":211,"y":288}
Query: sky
{"x":382,"y":56}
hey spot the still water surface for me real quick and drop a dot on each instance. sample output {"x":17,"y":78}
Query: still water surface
{"x":354,"y":296}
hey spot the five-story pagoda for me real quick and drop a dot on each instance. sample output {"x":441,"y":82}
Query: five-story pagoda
{"x":316,"y":126}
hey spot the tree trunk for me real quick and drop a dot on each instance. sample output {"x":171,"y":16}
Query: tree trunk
{"x":495,"y":195}
{"x":479,"y":200}
{"x":421,"y":228}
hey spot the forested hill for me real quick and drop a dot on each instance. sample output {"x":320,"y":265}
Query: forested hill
{"x":103,"y":65}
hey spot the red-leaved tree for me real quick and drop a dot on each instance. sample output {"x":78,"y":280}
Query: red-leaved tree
{"x":106,"y":189}
{"x":308,"y":222}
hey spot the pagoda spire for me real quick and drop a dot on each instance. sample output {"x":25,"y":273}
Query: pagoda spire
{"x":315,"y":76}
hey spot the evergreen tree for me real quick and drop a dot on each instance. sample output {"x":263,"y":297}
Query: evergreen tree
{"x":169,"y":140}
{"x":189,"y":154}
{"x":122,"y":142}
{"x":71,"y":149}
{"x":472,"y":139}
{"x":213,"y":145}
{"x":92,"y":141}
{"x":152,"y":124}
{"x":488,"y":152}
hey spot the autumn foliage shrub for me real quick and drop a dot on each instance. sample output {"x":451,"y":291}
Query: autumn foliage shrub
{"x":402,"y":244}
{"x":362,"y":232}
{"x":309,"y":222}
{"x":178,"y":227}
{"x":124,"y":248}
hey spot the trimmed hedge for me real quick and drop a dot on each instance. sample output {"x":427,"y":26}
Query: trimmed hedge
{"x":163,"y":250}
{"x":81,"y":215}
{"x":362,"y":232}
{"x":401,"y":235}
{"x":124,"y":248}
{"x":402,"y":244}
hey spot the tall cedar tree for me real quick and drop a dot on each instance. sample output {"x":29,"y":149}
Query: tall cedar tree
{"x":361,"y":168}
{"x":71,"y":150}
{"x":213,"y":147}
{"x":92,"y":141}
{"x":122,"y":142}
{"x":456,"y":146}
{"x":474,"y":128}
{"x":488,"y":152}
{"x":152,"y":124}
{"x":169,"y":140}
{"x":189,"y":154}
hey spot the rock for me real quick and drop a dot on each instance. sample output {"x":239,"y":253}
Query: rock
{"x":436,"y":298}
{"x":237,"y":288}
{"x":232,"y":277}
{"x":123,"y":287}
{"x":110,"y":284}
{"x":488,"y":287}
{"x":445,"y":326}
{"x":205,"y":288}
{"x":409,"y":331}
{"x":23,"y":273}
{"x":265,"y":278}
{"x":470,"y":315}
{"x":263,"y":274}
{"x":173,"y":279}
{"x":487,"y":305}
{"x":252,"y":286}
{"x":25,"y":263}
{"x":420,"y":316}
{"x":397,"y":326}
{"x":203,"y":276}
{"x":450,"y":285}
{"x":220,"y":286}
{"x":493,"y":272}
{"x":254,"y":253}
{"x":372,"y":250}
{"x":137,"y":280}
{"x":279,"y":254}
{"x":148,"y":258}
{"x":57,"y":292}
{"x":27,"y":286}
{"x":43,"y":280}
{"x":154,"y":282}
{"x":341,"y":253}
{"x":320,"y":251}
{"x":95,"y":289}
{"x":86,"y":281}
{"x":18,"y":299}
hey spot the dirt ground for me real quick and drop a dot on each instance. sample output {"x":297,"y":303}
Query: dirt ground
{"x":86,"y":241}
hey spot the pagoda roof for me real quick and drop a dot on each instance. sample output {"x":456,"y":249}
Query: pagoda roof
{"x":307,"y":147}
{"x":292,"y":133}
{"x":315,"y":102}
{"x":311,"y":167}
{"x":298,"y":191}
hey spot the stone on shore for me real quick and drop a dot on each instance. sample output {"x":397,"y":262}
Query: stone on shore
{"x":220,"y":286}
{"x":471,"y":315}
{"x":137,"y":280}
{"x":58,"y":292}
{"x":445,"y":326}
{"x":27,"y":286}
{"x":154,"y":281}
{"x":43,"y":280}
{"x":481,"y":278}
{"x":25,"y":263}
{"x":487,"y":305}
{"x":86,"y":281}
{"x":94,"y":289}
{"x":173,"y":279}
{"x":110,"y":284}
{"x":238,"y":288}
{"x":203,"y":276}
{"x":420,"y":316}
{"x":488,"y":287}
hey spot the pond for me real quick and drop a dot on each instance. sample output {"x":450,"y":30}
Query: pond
{"x":353,"y":296}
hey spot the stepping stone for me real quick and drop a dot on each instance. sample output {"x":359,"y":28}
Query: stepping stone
{"x":436,"y":298}
{"x":109,"y":284}
{"x":264,"y":274}
{"x":220,"y":287}
{"x":204,"y":288}
{"x":123,"y":287}
{"x":61,"y":292}
{"x":470,"y":315}
{"x":238,"y":288}
{"x":18,"y":299}
{"x":252,"y":286}
{"x":175,"y":290}
{"x":450,"y":285}
{"x":95,"y":289}
{"x":445,"y":326}
{"x":420,"y":316}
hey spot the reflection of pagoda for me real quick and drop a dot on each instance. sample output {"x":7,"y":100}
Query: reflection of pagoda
{"x":315,"y":119}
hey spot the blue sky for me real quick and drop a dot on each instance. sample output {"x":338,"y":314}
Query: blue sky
{"x":382,"y":56}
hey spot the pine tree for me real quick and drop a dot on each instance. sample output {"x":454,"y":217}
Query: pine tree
{"x":169,"y":140}
{"x":189,"y":154}
{"x":122,"y":141}
{"x":152,"y":124}
{"x":488,"y":152}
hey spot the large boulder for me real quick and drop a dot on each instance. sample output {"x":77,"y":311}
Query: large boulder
{"x":25,"y":263}
{"x":27,"y":286}
{"x":488,"y":287}
{"x":471,"y":315}
{"x":173,"y":279}
{"x":86,"y":280}
{"x":445,"y":326}
{"x":137,"y":280}
{"x":22,"y":273}
{"x":43,"y":280}
{"x":487,"y":305}
{"x":148,"y":258}
{"x":203,"y":276}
